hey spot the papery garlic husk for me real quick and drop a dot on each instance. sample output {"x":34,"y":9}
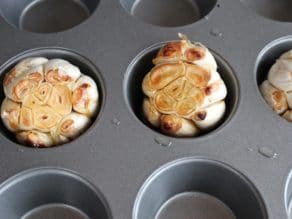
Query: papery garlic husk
{"x":209,"y":117}
{"x":35,"y":138}
{"x":214,"y":92}
{"x":280,"y":75}
{"x":60,"y":99}
{"x":177,"y":126}
{"x":274,"y":97}
{"x":10,"y":112}
{"x":72,"y":125}
{"x":59,"y":71}
{"x":28,"y":63}
{"x":184,"y":50}
{"x":151,"y":113}
{"x":85,"y":96}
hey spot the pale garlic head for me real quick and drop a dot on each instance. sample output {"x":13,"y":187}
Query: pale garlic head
{"x":277,"y":89}
{"x":48,"y":102}
{"x":184,"y":93}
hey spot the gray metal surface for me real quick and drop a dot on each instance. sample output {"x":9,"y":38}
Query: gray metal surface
{"x":119,"y":152}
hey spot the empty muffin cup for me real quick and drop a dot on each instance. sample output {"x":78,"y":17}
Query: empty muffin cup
{"x":169,"y":13}
{"x":142,"y":64}
{"x":198,"y":188}
{"x":86,"y":67}
{"x":51,"y":193}
{"x":46,"y":16}
{"x":275,"y":10}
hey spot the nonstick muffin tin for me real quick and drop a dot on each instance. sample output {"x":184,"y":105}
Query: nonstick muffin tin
{"x":120,"y":167}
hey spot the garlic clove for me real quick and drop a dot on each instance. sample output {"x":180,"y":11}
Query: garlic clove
{"x":10,"y":112}
{"x":274,"y":97}
{"x":207,"y":118}
{"x":35,"y":139}
{"x":151,"y":113}
{"x":280,"y":75}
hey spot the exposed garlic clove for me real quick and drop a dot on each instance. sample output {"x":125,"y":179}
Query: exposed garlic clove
{"x":274,"y":97}
{"x":197,"y":76}
{"x":10,"y":112}
{"x":35,"y":139}
{"x":60,"y":99}
{"x":21,"y":86}
{"x":214,"y":92}
{"x":72,"y":125}
{"x":161,"y":75}
{"x":85,"y":96}
{"x":151,"y":113}
{"x":59,"y":71}
{"x":177,"y":126}
{"x":207,"y":118}
{"x":43,"y":92}
{"x":164,"y":103}
{"x":26,"y":119}
{"x":170,"y":52}
{"x":57,"y":137}
{"x":280,"y":75}
{"x":45,"y":118}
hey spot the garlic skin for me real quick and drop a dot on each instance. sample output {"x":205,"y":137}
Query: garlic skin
{"x":207,"y":118}
{"x":72,"y":125}
{"x":277,"y":89}
{"x":59,"y":71}
{"x":10,"y":112}
{"x":48,"y":102}
{"x":280,"y":75}
{"x":183,"y":83}
{"x":85,"y":96}
{"x":274,"y":97}
{"x":35,"y":139}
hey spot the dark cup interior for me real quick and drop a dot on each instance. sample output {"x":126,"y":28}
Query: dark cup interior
{"x":211,"y":184}
{"x":142,"y":64}
{"x":85,"y":66}
{"x":51,"y":193}
{"x":46,"y":16}
{"x":168,"y":13}
{"x":279,"y":10}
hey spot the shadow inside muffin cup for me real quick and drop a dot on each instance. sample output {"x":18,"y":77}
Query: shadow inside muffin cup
{"x":142,"y":64}
{"x":86,"y":67}
{"x":279,"y":10}
{"x":170,"y":13}
{"x":198,"y":188}
{"x":46,"y":16}
{"x":51,"y":193}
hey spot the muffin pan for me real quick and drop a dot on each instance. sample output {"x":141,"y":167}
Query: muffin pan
{"x":121,"y":168}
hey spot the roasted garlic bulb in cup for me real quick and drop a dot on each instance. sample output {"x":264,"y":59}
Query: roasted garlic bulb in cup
{"x":184,"y":93}
{"x":277,"y":89}
{"x":48,"y":102}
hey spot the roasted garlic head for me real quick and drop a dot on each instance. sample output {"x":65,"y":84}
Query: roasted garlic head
{"x":277,"y":89}
{"x":48,"y":102}
{"x":184,"y":93}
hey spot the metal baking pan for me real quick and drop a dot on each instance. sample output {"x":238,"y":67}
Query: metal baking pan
{"x":121,"y":168}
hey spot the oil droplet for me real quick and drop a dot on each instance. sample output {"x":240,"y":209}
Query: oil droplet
{"x":20,"y":150}
{"x":162,"y":141}
{"x":250,"y":149}
{"x":216,"y":33}
{"x":268,"y":152}
{"x":116,"y":122}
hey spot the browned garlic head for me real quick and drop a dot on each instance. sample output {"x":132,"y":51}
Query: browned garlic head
{"x":277,"y":89}
{"x":184,"y":92}
{"x":48,"y":102}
